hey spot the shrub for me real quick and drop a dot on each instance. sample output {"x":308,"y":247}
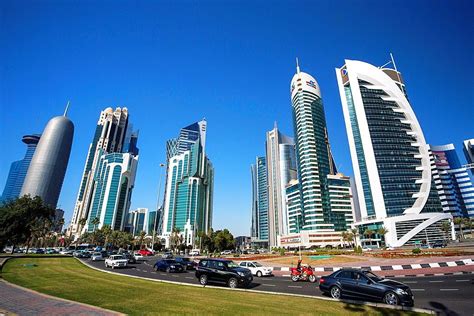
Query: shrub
{"x":358,"y":250}
{"x":416,"y":251}
{"x":282,"y":251}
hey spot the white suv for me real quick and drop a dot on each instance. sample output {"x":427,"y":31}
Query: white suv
{"x":116,"y":261}
{"x":256,"y":268}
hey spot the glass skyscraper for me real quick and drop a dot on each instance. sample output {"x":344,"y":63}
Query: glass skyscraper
{"x":390,"y":157}
{"x":468,"y":149}
{"x":18,"y":170}
{"x":260,"y":223}
{"x":189,"y":185}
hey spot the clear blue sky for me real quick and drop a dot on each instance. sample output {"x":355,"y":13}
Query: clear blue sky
{"x":231,"y":62}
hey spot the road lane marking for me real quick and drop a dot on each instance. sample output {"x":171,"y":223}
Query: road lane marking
{"x":295,"y":286}
{"x":268,"y":284}
{"x":410,"y":281}
{"x":417,"y":290}
{"x":138,"y":269}
{"x":463,"y":280}
{"x":436,"y":281}
{"x":145,"y":271}
{"x":189,"y":278}
{"x":175,"y":276}
{"x":153,"y":272}
{"x":163,"y":273}
{"x":449,"y":289}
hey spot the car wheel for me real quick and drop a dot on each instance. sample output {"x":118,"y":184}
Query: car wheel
{"x":168,"y":270}
{"x":233,"y":283}
{"x":259,"y":274}
{"x":203,"y":279}
{"x":155,"y":268}
{"x":113,"y":267}
{"x":294,"y":278}
{"x":335,"y":292}
{"x":312,"y":278}
{"x":390,"y":298}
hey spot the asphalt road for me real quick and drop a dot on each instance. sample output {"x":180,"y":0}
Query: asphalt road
{"x":448,"y":295}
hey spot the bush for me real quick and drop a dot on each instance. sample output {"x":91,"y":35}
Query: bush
{"x":358,"y":250}
{"x":282,"y":251}
{"x":236,"y":255}
{"x":416,"y":251}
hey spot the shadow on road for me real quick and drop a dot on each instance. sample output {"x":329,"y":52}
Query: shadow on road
{"x":442,"y":310}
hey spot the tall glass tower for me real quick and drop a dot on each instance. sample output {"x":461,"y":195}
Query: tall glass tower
{"x":260,"y":223}
{"x":390,"y":157}
{"x":18,"y":169}
{"x":189,"y":185}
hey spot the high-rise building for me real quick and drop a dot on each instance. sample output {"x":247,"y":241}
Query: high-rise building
{"x":58,"y":221}
{"x":281,"y":169}
{"x":468,"y":150}
{"x":109,"y":137}
{"x":390,"y":157}
{"x":48,"y":165}
{"x":294,"y":206}
{"x":18,"y":169}
{"x":138,"y":221}
{"x":455,"y":186}
{"x":260,"y":229}
{"x":189,"y":185}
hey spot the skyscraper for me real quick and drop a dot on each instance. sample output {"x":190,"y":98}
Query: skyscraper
{"x":138,"y":221}
{"x":468,"y":150}
{"x":48,"y":165}
{"x":189,"y":185}
{"x":390,"y":157}
{"x":455,"y":186}
{"x":109,"y":137}
{"x":281,"y":169}
{"x":19,"y":168}
{"x":260,"y":223}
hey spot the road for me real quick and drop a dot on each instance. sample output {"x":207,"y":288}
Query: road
{"x":448,"y":295}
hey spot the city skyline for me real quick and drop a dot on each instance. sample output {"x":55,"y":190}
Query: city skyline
{"x":227,"y":104}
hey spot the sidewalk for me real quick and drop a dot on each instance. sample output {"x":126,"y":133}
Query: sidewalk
{"x":21,"y":301}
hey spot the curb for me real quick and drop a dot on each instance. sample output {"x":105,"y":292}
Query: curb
{"x":61,"y":299}
{"x":410,"y":275}
{"x":448,"y":264}
{"x":403,"y":308}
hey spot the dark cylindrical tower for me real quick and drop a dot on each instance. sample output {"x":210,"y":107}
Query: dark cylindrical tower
{"x":45,"y":175}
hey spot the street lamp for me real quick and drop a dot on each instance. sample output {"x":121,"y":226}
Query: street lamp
{"x":157,"y":206}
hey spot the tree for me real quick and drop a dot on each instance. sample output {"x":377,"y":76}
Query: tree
{"x":95,"y":222}
{"x":175,"y":238}
{"x":381,"y":232}
{"x":107,"y":231}
{"x":140,"y":240}
{"x":446,"y":228}
{"x":460,"y":222}
{"x":82,"y":222}
{"x":223,"y":240}
{"x":22,"y":218}
{"x":344,"y":238}
{"x":355,"y":233}
{"x":368,"y":234}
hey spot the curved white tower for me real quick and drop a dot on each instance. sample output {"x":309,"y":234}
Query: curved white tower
{"x":46,"y":172}
{"x":390,"y":156}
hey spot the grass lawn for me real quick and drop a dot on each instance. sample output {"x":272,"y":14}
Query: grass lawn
{"x":68,"y":278}
{"x":293,"y":260}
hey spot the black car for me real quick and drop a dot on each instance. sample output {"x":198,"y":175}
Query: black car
{"x":225,"y":271}
{"x":364,"y":284}
{"x":439,"y":244}
{"x":187,"y":263}
{"x":129,"y":257}
{"x":168,"y":265}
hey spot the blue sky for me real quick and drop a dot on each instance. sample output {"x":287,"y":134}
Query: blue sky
{"x":173,"y":63}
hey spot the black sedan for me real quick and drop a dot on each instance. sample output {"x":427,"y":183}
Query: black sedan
{"x":168,"y":265}
{"x":361,"y":284}
{"x":187,"y":263}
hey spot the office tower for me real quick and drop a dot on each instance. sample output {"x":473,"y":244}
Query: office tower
{"x":295,"y":211}
{"x":113,"y":182}
{"x":48,"y":165}
{"x":138,"y":221}
{"x":189,"y":186}
{"x":455,"y":186}
{"x":109,"y":137}
{"x":260,"y":229}
{"x":58,"y":221}
{"x":281,"y":169}
{"x":19,"y":168}
{"x":340,"y":200}
{"x":468,"y":150}
{"x":390,"y":157}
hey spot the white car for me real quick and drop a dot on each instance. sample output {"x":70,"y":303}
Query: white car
{"x":194,"y":252}
{"x":256,"y":268}
{"x":97,"y":256}
{"x":226,"y":252}
{"x":138,"y":256}
{"x":116,"y":261}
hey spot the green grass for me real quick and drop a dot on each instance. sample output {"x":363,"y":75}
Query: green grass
{"x":67,"y":278}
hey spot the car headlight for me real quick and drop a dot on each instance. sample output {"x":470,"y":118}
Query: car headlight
{"x":172,"y":267}
{"x":401,"y":292}
{"x":241,"y":274}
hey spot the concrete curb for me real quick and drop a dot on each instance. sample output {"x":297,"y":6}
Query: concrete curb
{"x":61,"y":299}
{"x":457,"y":263}
{"x":403,"y":308}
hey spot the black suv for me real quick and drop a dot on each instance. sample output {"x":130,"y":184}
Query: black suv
{"x":225,"y":271}
{"x":364,"y":284}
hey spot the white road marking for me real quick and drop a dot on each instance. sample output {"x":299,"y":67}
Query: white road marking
{"x":163,"y":273}
{"x":153,"y":272}
{"x":437,"y":281}
{"x":463,"y":280}
{"x":296,"y":286}
{"x":189,"y":278}
{"x":145,"y":271}
{"x":176,"y":276}
{"x":268,"y":284}
{"x":410,"y":281}
{"x":417,"y":290}
{"x":449,"y":289}
{"x":138,"y":269}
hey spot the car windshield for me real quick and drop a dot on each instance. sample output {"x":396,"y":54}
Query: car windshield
{"x":257,"y":264}
{"x":97,"y":254}
{"x":232,"y":264}
{"x":372,"y":276}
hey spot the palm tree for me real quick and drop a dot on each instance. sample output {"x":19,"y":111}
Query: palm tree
{"x":368,"y":234}
{"x":382,"y":231}
{"x":95,"y":222}
{"x":107,"y":234}
{"x":344,"y":238}
{"x":82,"y":222}
{"x":350,"y":238}
{"x":355,"y":233}
{"x":142,"y":236}
{"x":175,"y":237}
{"x":459,"y":221}
{"x":446,"y":228}
{"x":468,"y":223}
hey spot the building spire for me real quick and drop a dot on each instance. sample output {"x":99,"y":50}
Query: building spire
{"x":297,"y":66}
{"x":67,"y":108}
{"x":275,"y":125}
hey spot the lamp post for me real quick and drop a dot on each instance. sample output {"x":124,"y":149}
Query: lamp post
{"x":157,"y":206}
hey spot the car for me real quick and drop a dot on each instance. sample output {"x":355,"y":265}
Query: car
{"x":51,"y":251}
{"x":364,"y":249}
{"x":116,"y":261}
{"x":145,"y":252}
{"x":226,"y":252}
{"x":439,"y":244}
{"x":187,"y":263}
{"x":66,"y":252}
{"x":138,"y":256}
{"x":131,"y":258}
{"x":168,"y":265}
{"x":195,"y":252}
{"x":363,"y":284}
{"x":97,"y":256}
{"x":224,"y":271}
{"x":256,"y":268}
{"x":167,"y":255}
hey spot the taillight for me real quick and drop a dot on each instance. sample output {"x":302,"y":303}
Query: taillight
{"x":321,"y":280}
